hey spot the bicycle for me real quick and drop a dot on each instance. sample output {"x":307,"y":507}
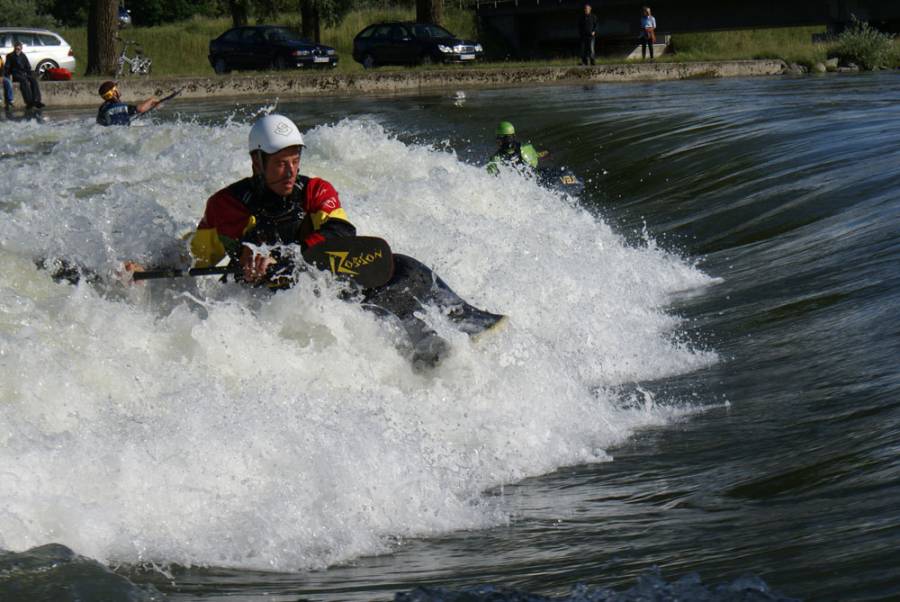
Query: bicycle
{"x":138,"y":64}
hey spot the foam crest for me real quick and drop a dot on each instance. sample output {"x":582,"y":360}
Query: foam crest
{"x":216,"y":425}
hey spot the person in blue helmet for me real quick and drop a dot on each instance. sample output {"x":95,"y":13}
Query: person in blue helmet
{"x":115,"y":112}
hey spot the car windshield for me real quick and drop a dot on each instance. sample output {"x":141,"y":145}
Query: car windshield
{"x":432,"y":31}
{"x":283,"y":35}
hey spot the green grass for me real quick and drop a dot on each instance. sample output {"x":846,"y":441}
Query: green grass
{"x":181,"y":49}
{"x":793,"y":44}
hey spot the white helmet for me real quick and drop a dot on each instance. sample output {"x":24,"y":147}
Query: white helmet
{"x":272,"y":133}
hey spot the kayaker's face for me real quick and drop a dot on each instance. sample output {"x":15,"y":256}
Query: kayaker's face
{"x":18,"y":49}
{"x":281,"y":169}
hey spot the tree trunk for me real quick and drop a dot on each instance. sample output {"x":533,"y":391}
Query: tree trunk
{"x":309,"y":20}
{"x":430,"y":11}
{"x":239,"y":11}
{"x":102,"y":28}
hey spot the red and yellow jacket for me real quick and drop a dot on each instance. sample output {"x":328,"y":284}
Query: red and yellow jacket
{"x":247,"y":212}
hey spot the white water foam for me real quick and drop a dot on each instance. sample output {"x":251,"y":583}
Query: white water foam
{"x":223,"y":428}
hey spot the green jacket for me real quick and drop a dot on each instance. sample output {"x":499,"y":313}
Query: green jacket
{"x":514,"y":154}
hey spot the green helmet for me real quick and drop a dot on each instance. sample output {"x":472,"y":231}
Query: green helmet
{"x":505,"y":128}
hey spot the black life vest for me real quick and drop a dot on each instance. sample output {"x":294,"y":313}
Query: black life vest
{"x":279,"y":220}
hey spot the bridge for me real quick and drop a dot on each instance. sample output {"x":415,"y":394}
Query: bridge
{"x":535,"y":28}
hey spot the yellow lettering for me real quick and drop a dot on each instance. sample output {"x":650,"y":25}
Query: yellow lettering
{"x":336,"y":262}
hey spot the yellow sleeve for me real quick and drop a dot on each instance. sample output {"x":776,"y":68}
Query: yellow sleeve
{"x":207,"y":248}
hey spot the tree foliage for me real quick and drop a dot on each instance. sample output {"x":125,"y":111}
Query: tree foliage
{"x":25,"y":13}
{"x":69,"y":13}
{"x":74,"y":13}
{"x":156,"y":12}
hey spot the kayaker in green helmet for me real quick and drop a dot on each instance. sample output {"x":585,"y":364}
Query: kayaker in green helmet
{"x":511,"y":151}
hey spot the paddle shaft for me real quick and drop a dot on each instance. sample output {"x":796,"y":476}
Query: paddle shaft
{"x":162,"y":100}
{"x":171,"y":273}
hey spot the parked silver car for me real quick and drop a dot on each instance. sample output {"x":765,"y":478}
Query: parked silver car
{"x":44,"y":48}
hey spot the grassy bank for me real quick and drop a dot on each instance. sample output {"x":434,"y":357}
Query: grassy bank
{"x":793,"y":44}
{"x":181,"y":49}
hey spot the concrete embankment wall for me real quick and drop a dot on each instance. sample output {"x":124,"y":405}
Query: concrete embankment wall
{"x":84,"y":92}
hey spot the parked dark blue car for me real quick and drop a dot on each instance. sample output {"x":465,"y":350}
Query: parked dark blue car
{"x":267,"y":47}
{"x":410,"y":44}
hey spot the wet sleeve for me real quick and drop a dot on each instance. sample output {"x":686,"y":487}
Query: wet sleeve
{"x":329,"y":220}
{"x":529,"y":155}
{"x":219,"y":232}
{"x":493,"y":163}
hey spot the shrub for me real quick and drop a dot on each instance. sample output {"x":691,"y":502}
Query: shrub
{"x":864,"y":45}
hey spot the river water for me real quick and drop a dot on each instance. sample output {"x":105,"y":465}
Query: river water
{"x":700,"y":374}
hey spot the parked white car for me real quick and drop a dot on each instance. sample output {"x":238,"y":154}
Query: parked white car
{"x":44,"y":48}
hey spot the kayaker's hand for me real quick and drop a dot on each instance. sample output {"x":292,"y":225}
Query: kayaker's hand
{"x":254,"y":265}
{"x":124,"y":274}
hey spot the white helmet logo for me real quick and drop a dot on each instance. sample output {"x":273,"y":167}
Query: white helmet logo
{"x":273,"y":133}
{"x":283,"y":129}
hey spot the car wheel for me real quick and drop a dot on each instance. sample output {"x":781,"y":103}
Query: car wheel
{"x":368,"y":62}
{"x":425,"y":60}
{"x":220,"y":66}
{"x":279,"y":63}
{"x":42,"y":67}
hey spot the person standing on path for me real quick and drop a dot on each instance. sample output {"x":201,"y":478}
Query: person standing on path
{"x":648,"y":32}
{"x":588,"y":24}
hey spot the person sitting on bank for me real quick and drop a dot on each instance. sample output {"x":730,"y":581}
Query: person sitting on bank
{"x":275,"y":206}
{"x":115,"y":112}
{"x":648,"y":32}
{"x":511,"y":151}
{"x":8,"y":93}
{"x":19,"y":69}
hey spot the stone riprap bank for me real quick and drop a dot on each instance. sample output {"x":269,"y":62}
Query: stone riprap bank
{"x":83,"y":92}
